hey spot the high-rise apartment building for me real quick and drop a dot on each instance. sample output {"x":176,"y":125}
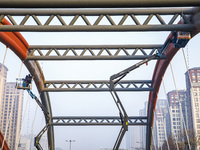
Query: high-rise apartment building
{"x":3,"y":76}
{"x":178,"y":108}
{"x":160,"y":120}
{"x":10,"y":111}
{"x":193,"y":94}
{"x":143,"y":112}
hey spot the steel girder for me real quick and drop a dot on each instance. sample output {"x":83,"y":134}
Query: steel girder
{"x":96,"y":120}
{"x":96,"y":3}
{"x":97,"y":20}
{"x":95,"y":86}
{"x":92,"y":52}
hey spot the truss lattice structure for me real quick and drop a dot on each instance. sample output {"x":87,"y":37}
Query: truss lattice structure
{"x":129,"y":85}
{"x":111,"y":19}
{"x":92,"y":52}
{"x":97,"y":20}
{"x":101,"y":120}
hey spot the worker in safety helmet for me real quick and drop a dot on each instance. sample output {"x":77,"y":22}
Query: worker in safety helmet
{"x":27,"y":80}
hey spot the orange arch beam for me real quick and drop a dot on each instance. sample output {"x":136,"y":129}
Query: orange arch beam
{"x":16,"y":42}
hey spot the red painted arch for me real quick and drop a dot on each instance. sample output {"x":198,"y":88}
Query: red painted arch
{"x":15,"y":41}
{"x":159,"y":72}
{"x":5,"y":146}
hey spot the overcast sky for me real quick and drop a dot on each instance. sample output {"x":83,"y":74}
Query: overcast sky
{"x":92,"y":103}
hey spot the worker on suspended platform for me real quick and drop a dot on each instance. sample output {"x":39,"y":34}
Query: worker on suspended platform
{"x":27,"y":81}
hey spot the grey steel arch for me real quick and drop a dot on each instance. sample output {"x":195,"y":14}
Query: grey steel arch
{"x":190,"y":25}
{"x":36,"y":71}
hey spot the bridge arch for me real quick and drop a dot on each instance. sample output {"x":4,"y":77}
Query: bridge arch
{"x":17,"y":43}
{"x":159,"y":71}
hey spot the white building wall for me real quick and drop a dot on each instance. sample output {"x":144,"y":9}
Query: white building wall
{"x":11,"y":102}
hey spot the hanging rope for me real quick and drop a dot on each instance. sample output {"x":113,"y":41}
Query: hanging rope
{"x":190,"y":80}
{"x":180,"y":107}
{"x":2,"y":68}
{"x":42,"y":122}
{"x":170,"y":115}
{"x":20,"y":72}
{"x":18,"y":141}
{"x":28,"y":117}
{"x":187,"y":63}
{"x":33,"y":123}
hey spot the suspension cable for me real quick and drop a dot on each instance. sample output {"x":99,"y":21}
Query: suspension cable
{"x":18,"y":140}
{"x":170,"y":115}
{"x":33,"y":123}
{"x":180,"y":107}
{"x":8,"y":115}
{"x":20,"y":72}
{"x":190,"y":80}
{"x":42,"y":122}
{"x":2,"y":68}
{"x":181,"y":18}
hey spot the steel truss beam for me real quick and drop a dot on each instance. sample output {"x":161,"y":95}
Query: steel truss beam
{"x":92,"y":86}
{"x":96,"y":3}
{"x":97,"y":20}
{"x":92,"y":52}
{"x":97,"y":121}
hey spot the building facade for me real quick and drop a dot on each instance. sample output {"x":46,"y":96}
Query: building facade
{"x":178,"y":107}
{"x":143,"y":112}
{"x":160,"y":121}
{"x":10,"y":111}
{"x":3,"y":77}
{"x":193,"y":94}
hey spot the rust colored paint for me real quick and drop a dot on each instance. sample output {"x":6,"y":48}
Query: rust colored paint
{"x":5,"y":146}
{"x":15,"y":41}
{"x":158,"y":74}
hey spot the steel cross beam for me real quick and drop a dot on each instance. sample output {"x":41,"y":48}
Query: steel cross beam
{"x":92,"y":52}
{"x":96,"y":121}
{"x":94,"y":86}
{"x":97,"y":20}
{"x":96,"y":3}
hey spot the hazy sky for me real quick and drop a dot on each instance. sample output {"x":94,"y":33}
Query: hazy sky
{"x":92,"y":103}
